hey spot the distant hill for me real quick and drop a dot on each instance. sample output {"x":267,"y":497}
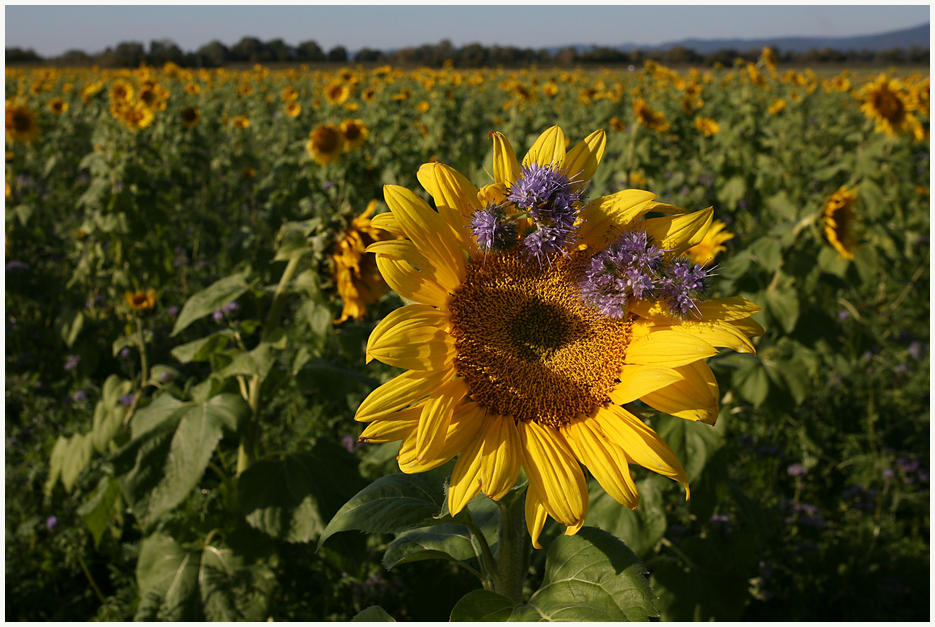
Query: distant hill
{"x":918,"y":36}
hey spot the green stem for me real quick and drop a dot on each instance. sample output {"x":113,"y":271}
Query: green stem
{"x":511,"y":549}
{"x":144,"y":374}
{"x":246,"y":454}
{"x":490,"y":565}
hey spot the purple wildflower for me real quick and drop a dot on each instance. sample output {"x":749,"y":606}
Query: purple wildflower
{"x":550,"y":199}
{"x":915,"y":350}
{"x":230,"y":307}
{"x":626,"y":269}
{"x":125,"y":400}
{"x":545,"y":241}
{"x":71,"y":361}
{"x":14,"y":265}
{"x":796,"y":470}
{"x":125,"y":351}
{"x":491,"y":229}
{"x":218,"y":315}
{"x":843,"y":315}
{"x":173,"y":311}
{"x":79,"y":396}
{"x":682,"y":284}
{"x":51,"y":522}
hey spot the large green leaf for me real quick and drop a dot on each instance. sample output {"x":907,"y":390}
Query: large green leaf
{"x":447,"y":541}
{"x":293,"y":498}
{"x":258,"y":362}
{"x":373,"y":614}
{"x":783,"y":306}
{"x":108,"y":413}
{"x":394,"y":503}
{"x":233,"y":588}
{"x":167,"y":576}
{"x":202,"y":349}
{"x":692,"y":442}
{"x":171,"y":447}
{"x":641,"y":529}
{"x":211,"y":299}
{"x":100,"y":507}
{"x":591,"y":576}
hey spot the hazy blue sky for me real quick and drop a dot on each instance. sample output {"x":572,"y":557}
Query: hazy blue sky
{"x":51,"y":30}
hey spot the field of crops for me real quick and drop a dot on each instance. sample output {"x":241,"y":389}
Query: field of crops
{"x":189,"y":304}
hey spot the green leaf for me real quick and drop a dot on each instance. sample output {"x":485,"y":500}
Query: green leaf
{"x":211,"y":299}
{"x":486,"y":605}
{"x":393,"y":504}
{"x":447,"y":541}
{"x":70,"y":323}
{"x":56,"y":459}
{"x":99,"y":508}
{"x":752,"y":382}
{"x":692,"y":442}
{"x":768,"y":251}
{"x":233,"y":588}
{"x":783,"y":306}
{"x":591,"y":576}
{"x":733,"y":191}
{"x":782,"y":207}
{"x":641,"y":529}
{"x":202,"y":349}
{"x":167,"y":576}
{"x":75,"y":458}
{"x":108,"y":414}
{"x":292,"y":499}
{"x":373,"y":614}
{"x":292,"y":243}
{"x":171,"y":447}
{"x":257,"y":362}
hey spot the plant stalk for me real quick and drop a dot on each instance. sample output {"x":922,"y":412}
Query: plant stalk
{"x":511,"y":551}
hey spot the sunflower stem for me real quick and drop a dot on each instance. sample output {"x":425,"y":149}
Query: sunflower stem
{"x":511,"y":549}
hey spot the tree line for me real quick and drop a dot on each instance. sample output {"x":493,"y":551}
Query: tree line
{"x":475,"y":55}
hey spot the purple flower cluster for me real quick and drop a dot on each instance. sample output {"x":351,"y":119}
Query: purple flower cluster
{"x":626,"y":269}
{"x":492,"y":229}
{"x":549,"y":198}
{"x":632,"y":268}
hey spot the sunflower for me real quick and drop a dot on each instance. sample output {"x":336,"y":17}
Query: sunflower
{"x":355,"y":272}
{"x":192,"y":88}
{"x":355,"y":133}
{"x":289,"y":94}
{"x":325,"y":144}
{"x":191,"y":116}
{"x":58,"y":106}
{"x":778,"y":105}
{"x":769,"y":58}
{"x":885,"y":102}
{"x":368,"y":95}
{"x":241,"y":122}
{"x":707,"y":249}
{"x":617,"y":125}
{"x":141,"y":300}
{"x":135,"y":115}
{"x":840,"y":220}
{"x":535,"y":320}
{"x":707,"y":126}
{"x":293,"y":109}
{"x":120,"y":91}
{"x":336,"y":93}
{"x":649,"y":118}
{"x":21,"y":123}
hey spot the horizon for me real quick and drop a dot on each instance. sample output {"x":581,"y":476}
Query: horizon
{"x":51,"y":31}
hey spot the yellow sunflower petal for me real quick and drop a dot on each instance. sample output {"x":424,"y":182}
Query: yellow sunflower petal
{"x":455,"y":197}
{"x":412,"y":337}
{"x":467,"y":419}
{"x":679,"y":233}
{"x":491,"y":194}
{"x":695,"y":397}
{"x":581,"y":161}
{"x":548,"y":149}
{"x":605,"y":218}
{"x":387,"y":222}
{"x":749,"y":327}
{"x":465,"y":478}
{"x":641,"y":443}
{"x":396,"y":426}
{"x":668,"y":348}
{"x":637,"y":381}
{"x":401,"y":392}
{"x":429,"y":232}
{"x":720,"y":334}
{"x":606,"y":460}
{"x":411,"y":284}
{"x":553,"y":469}
{"x":407,"y":251}
{"x":535,"y":515}
{"x":506,"y":168}
{"x":436,"y":416}
{"x":502,"y":457}
{"x":734,"y":308}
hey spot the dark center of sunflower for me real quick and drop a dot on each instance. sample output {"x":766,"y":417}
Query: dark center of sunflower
{"x":352,"y":132}
{"x":889,"y":105}
{"x":326,"y":140}
{"x":22,"y":121}
{"x":528,"y":347}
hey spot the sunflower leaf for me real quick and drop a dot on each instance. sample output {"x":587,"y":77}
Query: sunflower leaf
{"x":373,"y":614}
{"x":393,"y":504}
{"x":211,"y":299}
{"x":591,"y":576}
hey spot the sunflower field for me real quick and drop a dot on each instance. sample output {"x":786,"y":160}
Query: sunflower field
{"x":384,"y":344}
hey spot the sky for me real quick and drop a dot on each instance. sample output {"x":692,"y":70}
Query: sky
{"x":51,"y":30}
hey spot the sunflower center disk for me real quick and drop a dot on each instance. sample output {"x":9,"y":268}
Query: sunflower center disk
{"x":527,"y":346}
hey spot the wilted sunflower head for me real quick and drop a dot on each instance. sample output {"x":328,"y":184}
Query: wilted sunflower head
{"x":356,"y":276}
{"x":325,"y":144}
{"x":58,"y":106}
{"x":191,"y":116}
{"x":841,"y":221}
{"x":141,"y":300}
{"x":21,"y":125}
{"x":355,"y":133}
{"x":536,"y":318}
